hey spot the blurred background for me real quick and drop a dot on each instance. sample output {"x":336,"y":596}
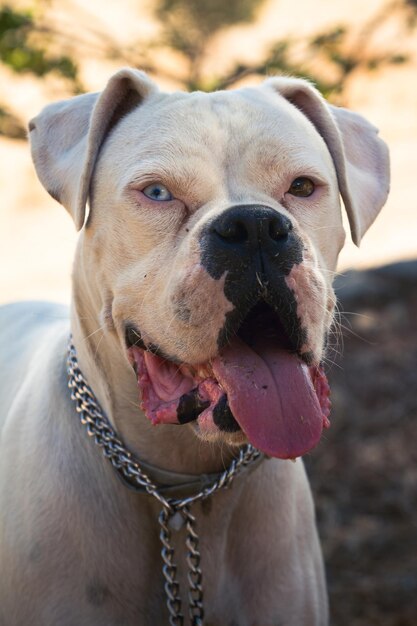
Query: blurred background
{"x":360,"y":55}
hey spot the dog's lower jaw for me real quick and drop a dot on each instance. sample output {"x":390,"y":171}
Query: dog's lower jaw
{"x":103,"y":362}
{"x":256,"y":382}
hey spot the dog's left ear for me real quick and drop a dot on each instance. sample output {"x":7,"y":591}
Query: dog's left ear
{"x":361,"y":158}
{"x":66,"y":137}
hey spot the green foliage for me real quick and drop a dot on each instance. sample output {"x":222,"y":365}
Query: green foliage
{"x":22,"y":53}
{"x":188,"y":24}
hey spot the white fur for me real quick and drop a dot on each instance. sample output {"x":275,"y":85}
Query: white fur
{"x":76,"y":547}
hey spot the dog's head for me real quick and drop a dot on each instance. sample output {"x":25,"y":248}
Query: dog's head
{"x":213,"y":231}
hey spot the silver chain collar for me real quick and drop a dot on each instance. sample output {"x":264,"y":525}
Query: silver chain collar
{"x":175,"y":512}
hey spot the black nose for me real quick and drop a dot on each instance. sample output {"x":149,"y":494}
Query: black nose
{"x":253,"y":237}
{"x":248,"y":228}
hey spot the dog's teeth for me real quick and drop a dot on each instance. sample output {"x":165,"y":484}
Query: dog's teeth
{"x":203,"y":372}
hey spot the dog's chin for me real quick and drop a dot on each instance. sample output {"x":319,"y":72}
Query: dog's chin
{"x":209,"y":433}
{"x":256,"y":389}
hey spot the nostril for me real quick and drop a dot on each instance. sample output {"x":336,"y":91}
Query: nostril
{"x":249,"y":227}
{"x":233,"y":231}
{"x":279,"y":229}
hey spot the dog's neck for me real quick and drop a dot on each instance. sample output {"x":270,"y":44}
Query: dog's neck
{"x":113,"y":381}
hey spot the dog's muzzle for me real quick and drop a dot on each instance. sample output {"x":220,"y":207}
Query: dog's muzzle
{"x":255,"y":248}
{"x":259,"y":381}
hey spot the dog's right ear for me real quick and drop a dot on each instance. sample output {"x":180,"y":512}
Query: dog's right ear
{"x":66,"y":137}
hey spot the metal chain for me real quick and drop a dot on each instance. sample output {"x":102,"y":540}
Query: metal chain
{"x":98,"y":427}
{"x":169,"y":569}
{"x":195,"y":576}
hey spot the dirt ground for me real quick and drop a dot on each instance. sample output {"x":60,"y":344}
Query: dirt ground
{"x":364,"y":475}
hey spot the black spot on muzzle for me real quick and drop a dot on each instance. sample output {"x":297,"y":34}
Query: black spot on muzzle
{"x":190,"y":406}
{"x":223,"y":417}
{"x":256,"y":247}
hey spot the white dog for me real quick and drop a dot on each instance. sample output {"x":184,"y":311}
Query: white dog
{"x":203,"y":276}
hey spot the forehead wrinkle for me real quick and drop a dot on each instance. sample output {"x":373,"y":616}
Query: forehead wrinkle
{"x":287,"y":160}
{"x":185,"y":128}
{"x":279,"y":147}
{"x":206,"y":131}
{"x":184,"y":176}
{"x":267,"y":137}
{"x":230,"y":122}
{"x":210,"y":139}
{"x":193,"y":117}
{"x":191,"y":124}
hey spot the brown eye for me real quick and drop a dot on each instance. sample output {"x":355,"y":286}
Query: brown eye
{"x":301,"y":187}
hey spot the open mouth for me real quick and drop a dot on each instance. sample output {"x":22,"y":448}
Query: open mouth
{"x":257,"y":383}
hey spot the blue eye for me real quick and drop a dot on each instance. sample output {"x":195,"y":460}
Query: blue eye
{"x":157,"y":192}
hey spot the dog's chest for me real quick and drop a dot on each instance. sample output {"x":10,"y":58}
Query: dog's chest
{"x":245,"y":578}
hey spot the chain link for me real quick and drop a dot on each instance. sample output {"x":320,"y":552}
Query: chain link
{"x":169,"y":569}
{"x":99,"y":428}
{"x":195,"y":577}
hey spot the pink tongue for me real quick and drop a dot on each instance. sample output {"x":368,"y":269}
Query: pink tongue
{"x":271,"y":396}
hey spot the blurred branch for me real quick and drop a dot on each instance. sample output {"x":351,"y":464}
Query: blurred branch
{"x":277,"y":61}
{"x":10,"y":125}
{"x":189,"y":28}
{"x":348,"y":52}
{"x":339,"y":48}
